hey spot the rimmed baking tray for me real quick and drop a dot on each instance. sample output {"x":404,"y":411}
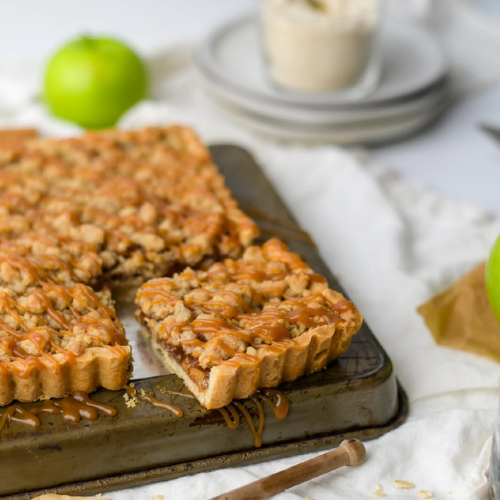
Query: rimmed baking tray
{"x":356,"y":396}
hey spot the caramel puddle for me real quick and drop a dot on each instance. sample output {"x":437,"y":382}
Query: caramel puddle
{"x":16,"y":413}
{"x":73,"y":408}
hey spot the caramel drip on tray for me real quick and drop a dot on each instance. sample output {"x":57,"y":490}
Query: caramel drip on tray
{"x":73,"y":408}
{"x":279,"y":409}
{"x":131,"y":392}
{"x":232,"y":421}
{"x":16,"y":413}
{"x":257,"y":433}
{"x":149,"y":398}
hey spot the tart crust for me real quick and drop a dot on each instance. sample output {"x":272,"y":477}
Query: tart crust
{"x":96,"y":367}
{"x":242,"y":357}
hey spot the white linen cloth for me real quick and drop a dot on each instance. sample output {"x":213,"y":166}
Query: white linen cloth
{"x":392,"y":245}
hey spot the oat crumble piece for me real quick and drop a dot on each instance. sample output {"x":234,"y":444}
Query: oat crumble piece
{"x":403,"y":485}
{"x":425,"y":494}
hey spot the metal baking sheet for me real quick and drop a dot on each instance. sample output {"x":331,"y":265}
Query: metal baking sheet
{"x":356,"y":396}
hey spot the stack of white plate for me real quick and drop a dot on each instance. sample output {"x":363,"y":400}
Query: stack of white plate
{"x":413,"y":92}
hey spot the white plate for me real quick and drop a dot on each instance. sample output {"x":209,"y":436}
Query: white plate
{"x":232,"y":58}
{"x":377,"y":132}
{"x":399,"y":110}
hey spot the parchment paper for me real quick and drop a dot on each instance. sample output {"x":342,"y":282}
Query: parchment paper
{"x":461,"y":317}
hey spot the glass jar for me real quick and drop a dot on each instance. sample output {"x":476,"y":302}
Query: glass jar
{"x":322,"y":45}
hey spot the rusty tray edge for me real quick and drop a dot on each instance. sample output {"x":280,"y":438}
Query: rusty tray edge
{"x":166,"y":473}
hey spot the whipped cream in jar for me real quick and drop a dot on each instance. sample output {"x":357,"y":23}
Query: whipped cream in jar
{"x":322,"y":45}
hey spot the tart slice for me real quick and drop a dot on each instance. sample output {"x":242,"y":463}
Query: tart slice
{"x":243,"y":324}
{"x":56,"y":338}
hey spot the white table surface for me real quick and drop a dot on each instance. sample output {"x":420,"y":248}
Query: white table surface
{"x":453,"y":157}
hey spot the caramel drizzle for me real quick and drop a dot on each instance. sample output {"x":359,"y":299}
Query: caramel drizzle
{"x":279,"y":409}
{"x":153,"y":401}
{"x":269,"y":325}
{"x":257,"y":433}
{"x":232,"y":421}
{"x":131,"y":392}
{"x":73,"y":408}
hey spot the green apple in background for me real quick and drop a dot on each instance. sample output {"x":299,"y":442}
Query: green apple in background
{"x":93,"y":81}
{"x":493,"y":278}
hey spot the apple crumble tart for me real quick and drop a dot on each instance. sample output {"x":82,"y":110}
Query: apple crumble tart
{"x":79,"y":216}
{"x":244,"y":324}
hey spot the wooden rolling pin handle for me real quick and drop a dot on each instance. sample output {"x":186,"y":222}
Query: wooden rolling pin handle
{"x":351,"y":452}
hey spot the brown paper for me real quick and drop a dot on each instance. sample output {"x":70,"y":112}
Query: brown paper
{"x":461,"y":317}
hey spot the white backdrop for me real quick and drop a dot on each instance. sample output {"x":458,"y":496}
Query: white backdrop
{"x":31,"y":28}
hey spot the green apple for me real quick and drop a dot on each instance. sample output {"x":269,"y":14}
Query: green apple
{"x":93,"y":81}
{"x":493,"y":278}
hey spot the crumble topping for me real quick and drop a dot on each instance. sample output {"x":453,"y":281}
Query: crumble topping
{"x":143,"y":202}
